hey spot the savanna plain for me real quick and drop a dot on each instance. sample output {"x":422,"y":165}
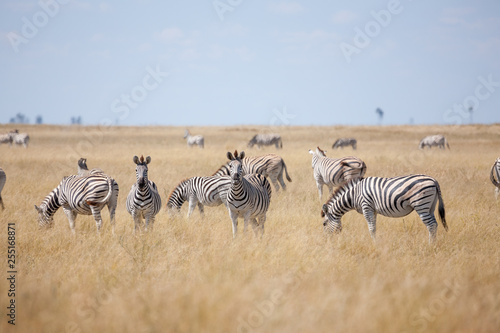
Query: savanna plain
{"x":192,"y":276}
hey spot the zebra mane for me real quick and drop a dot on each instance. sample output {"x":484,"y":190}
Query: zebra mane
{"x":177,"y":186}
{"x":344,"y":188}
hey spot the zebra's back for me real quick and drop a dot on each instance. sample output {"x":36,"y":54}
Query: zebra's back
{"x":78,"y":193}
{"x":339,"y":171}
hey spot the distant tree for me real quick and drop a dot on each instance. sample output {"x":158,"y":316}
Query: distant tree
{"x":76,"y":120}
{"x":380,"y":114}
{"x":39,"y":120}
{"x":19,"y":119}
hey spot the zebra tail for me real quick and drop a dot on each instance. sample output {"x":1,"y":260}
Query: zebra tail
{"x":441,"y":209}
{"x":492,"y":177}
{"x":363,"y":169}
{"x":286,"y":172}
{"x":110,"y":186}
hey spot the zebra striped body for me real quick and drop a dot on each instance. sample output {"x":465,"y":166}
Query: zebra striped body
{"x":201,"y":191}
{"x":3,"y":179}
{"x":266,"y":140}
{"x":335,"y":172}
{"x":143,"y":200}
{"x":270,"y":165}
{"x":392,"y":197}
{"x":194,"y":140}
{"x":344,"y":142}
{"x":85,"y":195}
{"x":434,"y":140}
{"x":495,"y":171}
{"x":248,"y":196}
{"x":6,"y":138}
{"x":21,"y":139}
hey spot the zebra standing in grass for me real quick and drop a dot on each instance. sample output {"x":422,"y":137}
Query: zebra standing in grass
{"x":266,"y":140}
{"x":83,"y":170}
{"x":334,"y":172}
{"x":86,"y":195}
{"x":392,"y":197}
{"x":194,"y":140}
{"x":495,"y":171}
{"x":143,"y":200}
{"x":270,"y":165}
{"x":344,"y":142}
{"x":434,"y":140}
{"x":201,"y":191}
{"x":3,"y":178}
{"x":248,"y":196}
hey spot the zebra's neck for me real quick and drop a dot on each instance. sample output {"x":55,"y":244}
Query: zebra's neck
{"x":237,"y":190}
{"x":178,"y":196}
{"x":52,"y":202}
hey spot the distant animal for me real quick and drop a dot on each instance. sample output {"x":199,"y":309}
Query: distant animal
{"x":248,"y":196}
{"x":86,"y":195}
{"x":334,"y":172}
{"x":392,"y":197}
{"x":270,"y":165}
{"x":434,"y":140}
{"x":199,"y":191}
{"x":17,"y":138}
{"x":194,"y":140}
{"x":143,"y":200}
{"x":3,"y":179}
{"x":495,"y":171}
{"x":344,"y":142}
{"x":6,"y":138}
{"x":266,"y":140}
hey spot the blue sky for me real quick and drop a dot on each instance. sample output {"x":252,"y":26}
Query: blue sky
{"x":232,"y":62}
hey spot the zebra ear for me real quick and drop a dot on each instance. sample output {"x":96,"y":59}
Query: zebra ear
{"x":136,"y":160}
{"x":242,"y":155}
{"x":325,"y":210}
{"x":311,"y":152}
{"x":230,"y":156}
{"x":38,"y":209}
{"x":148,"y":159}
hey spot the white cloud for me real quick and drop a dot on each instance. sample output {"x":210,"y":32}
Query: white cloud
{"x":286,"y":7}
{"x":344,"y":16}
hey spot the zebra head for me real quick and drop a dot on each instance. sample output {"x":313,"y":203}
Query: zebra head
{"x":235,"y":166}
{"x":44,"y":219}
{"x":141,"y":170}
{"x":331,"y":223}
{"x":186,"y":134}
{"x":252,"y":141}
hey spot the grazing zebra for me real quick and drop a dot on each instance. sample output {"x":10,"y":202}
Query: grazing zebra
{"x":143,"y":200}
{"x":334,"y":172}
{"x":266,"y":140}
{"x":344,"y":142}
{"x":270,"y":165}
{"x":194,"y":140}
{"x":86,"y":195}
{"x":434,"y":140}
{"x":248,"y":196}
{"x":495,"y":170}
{"x":83,"y":170}
{"x":392,"y":197}
{"x":22,"y":139}
{"x":3,"y":178}
{"x":201,"y":191}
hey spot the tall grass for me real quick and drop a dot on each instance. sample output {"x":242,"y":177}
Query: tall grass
{"x":191,"y":276}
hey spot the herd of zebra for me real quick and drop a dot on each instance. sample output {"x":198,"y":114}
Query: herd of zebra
{"x":15,"y":137}
{"x":258,"y":139}
{"x":428,"y":141}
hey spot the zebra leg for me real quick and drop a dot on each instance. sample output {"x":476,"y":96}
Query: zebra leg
{"x":71,"y":218}
{"x":371,"y":218}
{"x":112,"y":210}
{"x":275,"y":183}
{"x":256,"y":225}
{"x":96,"y":212}
{"x":430,"y":222}
{"x":330,"y":189}
{"x":1,"y":202}
{"x":150,"y":220}
{"x":192,"y":205}
{"x":282,"y":182}
{"x":137,"y":221}
{"x":497,"y":192}
{"x":234,"y":219}
{"x":202,"y":209}
{"x":320,"y":189}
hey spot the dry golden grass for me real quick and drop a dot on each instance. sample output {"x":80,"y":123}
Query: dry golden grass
{"x":191,"y":276}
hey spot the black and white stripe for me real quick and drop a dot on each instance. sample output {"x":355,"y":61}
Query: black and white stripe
{"x":3,"y":179}
{"x":194,"y":140}
{"x":85,"y":195}
{"x":266,"y":140}
{"x":495,"y":172}
{"x":199,"y":191}
{"x":345,"y":142}
{"x":143,"y":200}
{"x":270,"y":165}
{"x":248,"y":196}
{"x":334,"y":172}
{"x":434,"y":140}
{"x":392,"y":197}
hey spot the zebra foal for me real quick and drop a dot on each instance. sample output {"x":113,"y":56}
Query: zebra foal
{"x":495,"y":171}
{"x":392,"y":197}
{"x":334,"y":172}
{"x":199,"y":191}
{"x":86,"y":195}
{"x":143,"y":200}
{"x":248,"y":196}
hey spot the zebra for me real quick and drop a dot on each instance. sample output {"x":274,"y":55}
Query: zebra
{"x":83,"y":170}
{"x":495,"y":170}
{"x":334,"y":172}
{"x":143,"y":200}
{"x":248,"y":196}
{"x":434,"y":140}
{"x":266,"y":140}
{"x":392,"y":197}
{"x":194,"y":140}
{"x":270,"y":165}
{"x":344,"y":142}
{"x":85,"y":195}
{"x":6,"y":138}
{"x":201,"y":191}
{"x":3,"y":179}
